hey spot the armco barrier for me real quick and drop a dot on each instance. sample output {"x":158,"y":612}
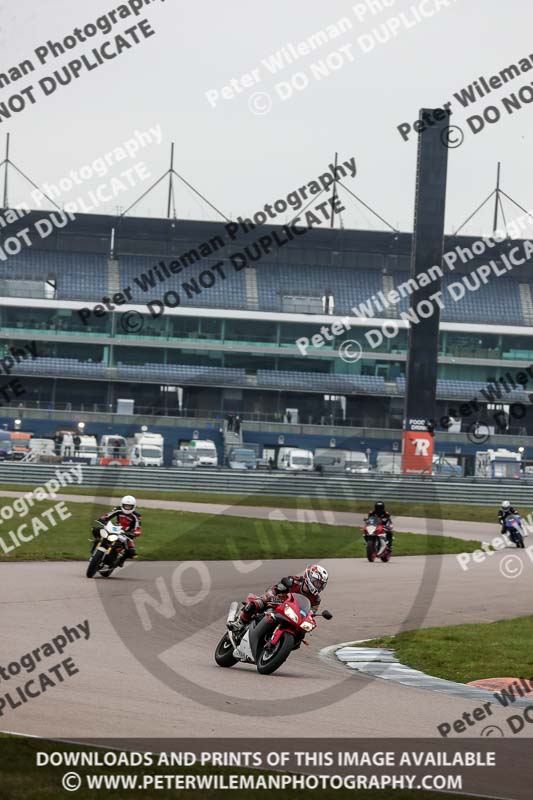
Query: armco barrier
{"x":225,"y":482}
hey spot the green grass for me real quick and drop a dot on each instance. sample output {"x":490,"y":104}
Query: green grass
{"x":22,"y":780}
{"x":179,"y":535}
{"x":460,"y":511}
{"x":466,"y":653}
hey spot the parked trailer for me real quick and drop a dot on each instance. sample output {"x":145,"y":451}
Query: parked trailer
{"x":294,"y":459}
{"x":499,"y":463}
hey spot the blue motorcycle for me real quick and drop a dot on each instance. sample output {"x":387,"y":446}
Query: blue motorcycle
{"x":514,"y":530}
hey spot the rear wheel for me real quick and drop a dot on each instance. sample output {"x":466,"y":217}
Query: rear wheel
{"x":94,"y":564}
{"x":270,"y":659}
{"x":224,"y":652}
{"x":370,"y":550}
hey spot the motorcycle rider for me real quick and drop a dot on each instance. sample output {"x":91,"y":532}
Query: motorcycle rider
{"x":129,"y":520}
{"x":385,"y":518}
{"x":505,"y":511}
{"x":313,"y":581}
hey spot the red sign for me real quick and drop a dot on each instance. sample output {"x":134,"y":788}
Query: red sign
{"x":417,"y":453}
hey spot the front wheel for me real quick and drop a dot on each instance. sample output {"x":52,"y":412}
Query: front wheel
{"x":224,"y":653}
{"x":370,"y":550}
{"x":270,"y":659}
{"x":94,"y":564}
{"x":107,"y":573}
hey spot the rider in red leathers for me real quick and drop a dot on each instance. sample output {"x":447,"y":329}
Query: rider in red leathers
{"x":383,"y":515}
{"x":313,"y":581}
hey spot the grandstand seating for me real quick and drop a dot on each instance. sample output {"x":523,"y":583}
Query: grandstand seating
{"x":61,"y":366}
{"x":463,"y":390}
{"x":282,"y":380}
{"x":348,"y":287}
{"x":78,"y":275}
{"x":497,"y":301}
{"x":185,"y":373}
{"x":84,"y":276}
{"x":228,"y":292}
{"x":313,"y":382}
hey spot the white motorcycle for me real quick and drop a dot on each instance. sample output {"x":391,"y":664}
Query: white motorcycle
{"x":105,"y":556}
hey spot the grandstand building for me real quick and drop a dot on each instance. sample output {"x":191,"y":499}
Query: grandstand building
{"x":227,"y":338}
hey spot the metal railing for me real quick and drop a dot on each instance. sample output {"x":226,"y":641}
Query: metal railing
{"x":309,"y":486}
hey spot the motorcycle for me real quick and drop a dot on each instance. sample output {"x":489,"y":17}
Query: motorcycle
{"x":514,"y":530}
{"x":375,"y":536}
{"x":112,"y":543}
{"x":271,"y":636}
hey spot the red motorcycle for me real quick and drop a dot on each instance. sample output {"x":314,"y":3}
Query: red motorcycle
{"x":375,"y":536}
{"x":271,"y":635}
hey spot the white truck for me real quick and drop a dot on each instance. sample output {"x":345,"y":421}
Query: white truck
{"x":41,"y":450}
{"x":146,"y":450}
{"x":498,"y":463}
{"x":388,"y":463}
{"x":357,"y":462}
{"x":295,"y":460}
{"x":205,"y":451}
{"x":42,"y":447}
{"x":330,"y":459}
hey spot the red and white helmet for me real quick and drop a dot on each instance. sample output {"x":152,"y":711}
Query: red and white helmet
{"x":315,"y":578}
{"x":128,"y":503}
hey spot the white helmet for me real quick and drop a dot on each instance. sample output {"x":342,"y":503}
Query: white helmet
{"x":316,"y":578}
{"x":506,"y":505}
{"x":128,"y":503}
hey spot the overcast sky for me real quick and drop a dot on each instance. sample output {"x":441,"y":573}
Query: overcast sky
{"x":241,"y":160}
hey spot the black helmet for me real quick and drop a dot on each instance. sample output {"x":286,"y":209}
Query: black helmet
{"x":379,"y":507}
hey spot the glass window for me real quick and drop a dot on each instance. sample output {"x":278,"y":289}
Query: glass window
{"x":247,"y":330}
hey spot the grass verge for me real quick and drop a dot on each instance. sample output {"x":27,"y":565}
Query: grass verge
{"x":180,"y":536}
{"x":459,"y":511}
{"x":22,"y":780}
{"x":466,"y":653}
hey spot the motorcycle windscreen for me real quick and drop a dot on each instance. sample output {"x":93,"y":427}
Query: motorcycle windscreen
{"x":304,"y":604}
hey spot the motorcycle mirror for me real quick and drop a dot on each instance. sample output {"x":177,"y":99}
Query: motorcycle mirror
{"x":327,"y":615}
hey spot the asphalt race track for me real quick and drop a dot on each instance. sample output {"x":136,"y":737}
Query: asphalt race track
{"x":164,"y":682}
